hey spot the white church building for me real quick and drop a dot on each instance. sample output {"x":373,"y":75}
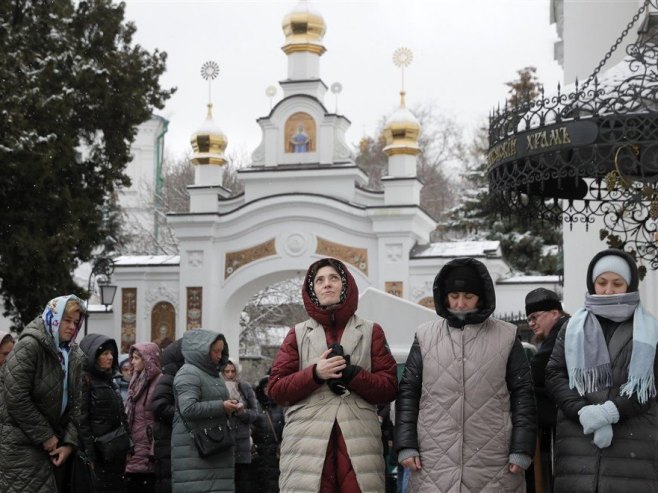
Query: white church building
{"x":304,"y":198}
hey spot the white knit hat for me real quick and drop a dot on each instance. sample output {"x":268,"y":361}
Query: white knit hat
{"x":612,"y":263}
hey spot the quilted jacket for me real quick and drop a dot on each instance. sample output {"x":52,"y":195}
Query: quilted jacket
{"x":466,"y":399}
{"x":292,"y":385}
{"x":30,"y":410}
{"x":200,"y":394}
{"x":630,"y":463}
{"x":138,"y":408}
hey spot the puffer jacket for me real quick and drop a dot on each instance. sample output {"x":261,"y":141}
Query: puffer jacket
{"x":103,"y":412}
{"x":30,"y":409}
{"x":466,"y":401}
{"x":138,"y":408}
{"x":630,"y":463}
{"x":163,"y":411}
{"x":267,"y":434}
{"x":200,"y":394}
{"x":297,"y":389}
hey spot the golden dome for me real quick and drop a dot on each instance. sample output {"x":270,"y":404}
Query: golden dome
{"x":209,"y":142}
{"x":304,"y":29}
{"x":401,"y":131}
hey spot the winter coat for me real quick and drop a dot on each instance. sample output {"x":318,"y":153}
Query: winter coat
{"x":267,"y":434}
{"x":139,"y":405}
{"x":630,"y":463}
{"x":200,"y":394}
{"x":30,"y":410}
{"x":546,"y":408}
{"x":241,"y":424}
{"x":466,"y":401}
{"x":102,"y":413}
{"x":314,"y":434}
{"x":163,"y":412}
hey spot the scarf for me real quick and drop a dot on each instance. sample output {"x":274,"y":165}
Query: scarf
{"x":586,"y":352}
{"x":138,"y":385}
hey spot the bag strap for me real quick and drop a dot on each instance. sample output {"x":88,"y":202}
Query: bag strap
{"x":269,"y":419}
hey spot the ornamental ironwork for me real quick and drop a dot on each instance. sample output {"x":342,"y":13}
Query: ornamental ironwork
{"x":589,"y":150}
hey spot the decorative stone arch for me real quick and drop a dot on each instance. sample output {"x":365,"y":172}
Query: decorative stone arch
{"x":258,"y":276}
{"x":163,"y":323}
{"x":298,"y":124}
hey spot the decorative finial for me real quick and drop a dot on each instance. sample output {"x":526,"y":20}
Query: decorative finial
{"x":402,"y":57}
{"x":336,"y":88}
{"x":209,"y":71}
{"x":270,"y":92}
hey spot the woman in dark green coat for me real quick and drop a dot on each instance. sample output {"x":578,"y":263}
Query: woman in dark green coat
{"x":202,"y":401}
{"x":40,"y":401}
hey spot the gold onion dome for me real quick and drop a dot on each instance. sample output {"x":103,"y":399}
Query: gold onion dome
{"x":304,"y":28}
{"x":209,"y":142}
{"x":401,"y":131}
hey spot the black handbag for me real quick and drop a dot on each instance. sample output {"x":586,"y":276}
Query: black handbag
{"x":113,"y":445}
{"x":210,"y":441}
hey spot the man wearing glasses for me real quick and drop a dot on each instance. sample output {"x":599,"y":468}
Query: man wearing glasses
{"x":545,"y":318}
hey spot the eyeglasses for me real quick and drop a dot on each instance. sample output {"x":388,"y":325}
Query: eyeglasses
{"x":533,"y":318}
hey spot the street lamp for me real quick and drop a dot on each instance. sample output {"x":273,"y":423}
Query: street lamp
{"x":101,"y":270}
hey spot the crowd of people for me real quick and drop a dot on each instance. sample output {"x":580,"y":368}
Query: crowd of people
{"x":473,"y":410}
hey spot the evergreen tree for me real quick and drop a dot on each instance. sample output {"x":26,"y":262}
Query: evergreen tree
{"x":528,"y":246}
{"x":73,"y":90}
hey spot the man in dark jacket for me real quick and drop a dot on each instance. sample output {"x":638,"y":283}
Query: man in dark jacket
{"x":163,"y":411}
{"x":41,"y":401}
{"x":545,"y":318}
{"x":465,"y":416}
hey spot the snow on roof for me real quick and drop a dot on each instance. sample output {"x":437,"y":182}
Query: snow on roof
{"x":461,"y":249}
{"x":530,"y":280}
{"x":134,"y":260}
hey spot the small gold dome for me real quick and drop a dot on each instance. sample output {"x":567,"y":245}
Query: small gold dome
{"x":304,"y":29}
{"x":401,"y":131}
{"x":209,"y":142}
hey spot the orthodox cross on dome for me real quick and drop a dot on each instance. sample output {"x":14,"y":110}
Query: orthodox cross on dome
{"x":402,"y":57}
{"x":210,"y":71}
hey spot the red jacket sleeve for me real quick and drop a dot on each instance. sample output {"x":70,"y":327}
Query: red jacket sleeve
{"x":288,"y":384}
{"x":380,"y":384}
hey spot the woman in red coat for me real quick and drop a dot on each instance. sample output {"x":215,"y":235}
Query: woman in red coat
{"x":331,"y":371}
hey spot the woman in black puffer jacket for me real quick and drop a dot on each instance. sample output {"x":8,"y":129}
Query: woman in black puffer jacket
{"x":266,"y":434}
{"x":103,"y":411}
{"x":163,"y":411}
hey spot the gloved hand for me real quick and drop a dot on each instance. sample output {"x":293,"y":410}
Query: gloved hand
{"x":350,"y":372}
{"x":598,"y":415}
{"x":337,"y":386}
{"x":603,"y":436}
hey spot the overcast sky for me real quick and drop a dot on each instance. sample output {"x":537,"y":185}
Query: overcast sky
{"x":464,"y":52}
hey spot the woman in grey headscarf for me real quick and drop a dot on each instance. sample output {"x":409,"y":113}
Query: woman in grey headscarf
{"x":6,"y":345}
{"x":602,"y":377}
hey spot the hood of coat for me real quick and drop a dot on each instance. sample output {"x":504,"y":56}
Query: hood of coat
{"x":172,"y":358}
{"x":486,"y":304}
{"x":339,"y":313}
{"x":54,"y":312}
{"x":635,"y":278}
{"x":196,"y":350}
{"x":150,"y":352}
{"x":92,"y":345}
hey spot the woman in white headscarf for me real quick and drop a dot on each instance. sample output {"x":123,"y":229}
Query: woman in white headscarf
{"x":602,"y":377}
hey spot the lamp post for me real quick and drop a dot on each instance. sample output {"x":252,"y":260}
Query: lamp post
{"x":101,"y":271}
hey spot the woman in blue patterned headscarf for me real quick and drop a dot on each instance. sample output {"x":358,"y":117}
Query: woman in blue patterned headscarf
{"x":40,"y":400}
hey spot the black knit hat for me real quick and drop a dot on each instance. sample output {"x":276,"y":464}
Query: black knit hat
{"x":540,"y":300}
{"x":463,"y":278}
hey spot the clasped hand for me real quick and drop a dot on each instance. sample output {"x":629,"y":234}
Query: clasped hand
{"x":327,"y":368}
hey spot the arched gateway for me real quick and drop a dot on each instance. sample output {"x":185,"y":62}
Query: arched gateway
{"x":304,"y":198}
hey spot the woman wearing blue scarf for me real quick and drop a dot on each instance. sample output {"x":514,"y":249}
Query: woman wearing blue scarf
{"x":41,"y":397}
{"x":602,"y":378}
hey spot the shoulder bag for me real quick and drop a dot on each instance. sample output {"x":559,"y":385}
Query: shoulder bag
{"x":112,"y":445}
{"x":209,"y":441}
